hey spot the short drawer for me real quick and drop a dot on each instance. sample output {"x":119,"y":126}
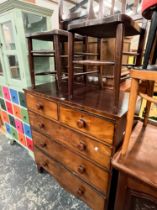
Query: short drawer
{"x":42,"y":106}
{"x":75,"y":141}
{"x":97,"y":127}
{"x":80,"y":166}
{"x":70,"y":182}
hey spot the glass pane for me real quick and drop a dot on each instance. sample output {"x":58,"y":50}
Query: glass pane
{"x":8,"y":35}
{"x":42,"y":64}
{"x":14,"y":67}
{"x":1,"y":70}
{"x":34,"y":23}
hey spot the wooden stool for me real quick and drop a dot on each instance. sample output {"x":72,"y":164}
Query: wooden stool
{"x":113,"y":25}
{"x":59,"y":38}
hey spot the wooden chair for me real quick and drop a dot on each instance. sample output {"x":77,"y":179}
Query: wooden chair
{"x":112,"y":25}
{"x":149,"y":74}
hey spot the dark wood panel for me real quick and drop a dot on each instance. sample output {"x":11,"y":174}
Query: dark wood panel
{"x":70,"y":182}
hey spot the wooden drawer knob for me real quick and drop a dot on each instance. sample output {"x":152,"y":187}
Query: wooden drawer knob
{"x":45,"y":164}
{"x":81,"y":169}
{"x":81,"y":146}
{"x":41,"y":125}
{"x":81,"y":123}
{"x":43,"y":145}
{"x":80,"y":191}
{"x":39,"y":106}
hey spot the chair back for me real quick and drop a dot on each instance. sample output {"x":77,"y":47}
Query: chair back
{"x":70,"y":11}
{"x":103,"y":8}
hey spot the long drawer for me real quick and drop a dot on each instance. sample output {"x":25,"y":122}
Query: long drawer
{"x":70,"y":182}
{"x":79,"y":143}
{"x":80,"y":166}
{"x":42,"y":106}
{"x":97,"y":127}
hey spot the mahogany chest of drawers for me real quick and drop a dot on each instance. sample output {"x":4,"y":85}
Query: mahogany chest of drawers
{"x":74,"y":140}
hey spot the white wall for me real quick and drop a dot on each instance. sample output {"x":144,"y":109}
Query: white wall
{"x":1,"y":1}
{"x":54,"y":7}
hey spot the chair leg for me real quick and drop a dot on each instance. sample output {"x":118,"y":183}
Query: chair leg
{"x":58,"y":61}
{"x":150,"y":92}
{"x":130,"y":115}
{"x":118,"y":63}
{"x":31,"y":62}
{"x":70,"y":64}
{"x":151,"y":38}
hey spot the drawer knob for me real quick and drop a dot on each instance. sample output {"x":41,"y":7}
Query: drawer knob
{"x":81,"y":169}
{"x":80,"y":191}
{"x":45,"y":164}
{"x":40,"y":106}
{"x":81,"y":123}
{"x":81,"y":146}
{"x":41,"y":125}
{"x":43,"y":145}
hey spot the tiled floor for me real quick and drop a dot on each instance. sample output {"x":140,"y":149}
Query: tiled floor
{"x":23,"y":188}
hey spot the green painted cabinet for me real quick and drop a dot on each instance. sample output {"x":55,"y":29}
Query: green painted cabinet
{"x":17,"y":19}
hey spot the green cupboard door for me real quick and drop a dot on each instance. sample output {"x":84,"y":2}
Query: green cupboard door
{"x":10,"y":50}
{"x":2,"y":68}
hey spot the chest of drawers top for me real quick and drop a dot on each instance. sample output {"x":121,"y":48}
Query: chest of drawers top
{"x":86,"y":99}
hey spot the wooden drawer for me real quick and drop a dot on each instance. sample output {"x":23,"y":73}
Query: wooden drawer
{"x":94,"y":126}
{"x":80,"y":166}
{"x":79,"y":143}
{"x":70,"y":182}
{"x":42,"y":106}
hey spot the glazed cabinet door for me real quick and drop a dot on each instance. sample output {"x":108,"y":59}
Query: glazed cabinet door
{"x":2,"y":66}
{"x":10,"y":50}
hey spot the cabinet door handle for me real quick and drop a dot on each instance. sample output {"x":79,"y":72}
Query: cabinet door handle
{"x":81,"y":123}
{"x":81,"y":146}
